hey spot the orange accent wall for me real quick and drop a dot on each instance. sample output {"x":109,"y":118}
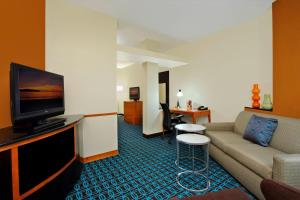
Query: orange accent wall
{"x":22,"y":40}
{"x":286,"y":57}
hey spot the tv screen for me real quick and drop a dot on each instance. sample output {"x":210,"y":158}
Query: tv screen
{"x":134,"y":93}
{"x":35,"y":94}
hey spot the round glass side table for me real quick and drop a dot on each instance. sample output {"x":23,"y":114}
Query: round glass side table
{"x":189,"y":128}
{"x":194,"y":140}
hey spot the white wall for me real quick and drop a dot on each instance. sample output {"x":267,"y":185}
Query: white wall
{"x":131,"y":76}
{"x":224,"y":66}
{"x":152,"y":115}
{"x":81,"y":45}
{"x":146,"y":77}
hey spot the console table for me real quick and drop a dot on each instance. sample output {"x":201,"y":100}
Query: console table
{"x":37,"y":164}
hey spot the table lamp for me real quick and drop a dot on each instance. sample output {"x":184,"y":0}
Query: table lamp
{"x":179,"y":94}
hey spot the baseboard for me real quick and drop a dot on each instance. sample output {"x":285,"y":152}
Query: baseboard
{"x":99,"y":156}
{"x":152,"y":135}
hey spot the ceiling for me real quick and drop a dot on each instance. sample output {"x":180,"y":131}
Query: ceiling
{"x":172,"y":22}
{"x":132,"y":35}
{"x":127,"y":56}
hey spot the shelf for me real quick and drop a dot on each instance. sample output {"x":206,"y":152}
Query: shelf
{"x":258,"y":110}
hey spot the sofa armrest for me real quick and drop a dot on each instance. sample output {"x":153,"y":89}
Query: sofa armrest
{"x":219,"y":126}
{"x":286,"y":168}
{"x":274,"y":190}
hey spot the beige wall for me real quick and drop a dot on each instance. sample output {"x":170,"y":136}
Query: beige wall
{"x":131,"y":76}
{"x":144,"y":76}
{"x":152,"y":115}
{"x":224,"y":66}
{"x":81,"y":45}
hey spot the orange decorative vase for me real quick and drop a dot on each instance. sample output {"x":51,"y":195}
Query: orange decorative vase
{"x":255,"y":96}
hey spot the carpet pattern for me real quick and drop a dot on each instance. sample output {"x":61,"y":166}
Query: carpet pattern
{"x":144,"y":169}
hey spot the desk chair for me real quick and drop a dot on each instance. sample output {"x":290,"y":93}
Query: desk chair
{"x":170,"y":121}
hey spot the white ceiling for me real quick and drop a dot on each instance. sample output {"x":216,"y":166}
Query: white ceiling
{"x":132,"y":35}
{"x":172,"y":22}
{"x":130,"y":55}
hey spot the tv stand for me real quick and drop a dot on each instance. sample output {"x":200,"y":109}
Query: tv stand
{"x":48,"y":124}
{"x":42,"y":165}
{"x":39,"y":126}
{"x":133,"y":112}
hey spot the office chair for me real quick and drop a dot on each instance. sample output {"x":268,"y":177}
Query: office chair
{"x":170,"y":121}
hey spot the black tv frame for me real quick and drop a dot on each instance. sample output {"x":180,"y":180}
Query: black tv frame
{"x":24,"y":119}
{"x":137,"y":97}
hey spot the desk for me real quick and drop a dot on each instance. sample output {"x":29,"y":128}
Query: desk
{"x":195,"y":114}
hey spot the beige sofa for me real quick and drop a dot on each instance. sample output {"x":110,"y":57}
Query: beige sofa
{"x":250,"y":163}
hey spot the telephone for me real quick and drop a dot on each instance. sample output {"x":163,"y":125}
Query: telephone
{"x":202,"y":108}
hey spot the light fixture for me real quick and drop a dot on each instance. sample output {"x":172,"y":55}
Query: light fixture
{"x":179,"y":94}
{"x":120,"y":88}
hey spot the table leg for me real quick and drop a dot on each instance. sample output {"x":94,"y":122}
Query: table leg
{"x":193,"y":157}
{"x":207,"y":159}
{"x":177,"y":144}
{"x":194,"y":119}
{"x":209,"y":118}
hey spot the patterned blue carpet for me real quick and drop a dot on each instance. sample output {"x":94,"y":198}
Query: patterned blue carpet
{"x":144,"y":169}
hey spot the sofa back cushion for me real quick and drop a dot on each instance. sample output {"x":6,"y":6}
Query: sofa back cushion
{"x":242,"y":121}
{"x":286,"y":137}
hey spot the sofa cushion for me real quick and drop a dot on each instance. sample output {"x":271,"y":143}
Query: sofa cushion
{"x":257,"y":158}
{"x":287,"y":135}
{"x":222,"y":139}
{"x":260,"y":130}
{"x":241,"y":122}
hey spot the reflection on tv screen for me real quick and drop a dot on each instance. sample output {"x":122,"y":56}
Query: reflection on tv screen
{"x":39,"y":91}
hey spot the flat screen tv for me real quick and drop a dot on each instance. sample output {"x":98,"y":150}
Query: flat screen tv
{"x":134,"y":93}
{"x":35,"y":94}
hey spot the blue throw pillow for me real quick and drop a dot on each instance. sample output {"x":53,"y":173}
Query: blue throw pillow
{"x":260,"y":130}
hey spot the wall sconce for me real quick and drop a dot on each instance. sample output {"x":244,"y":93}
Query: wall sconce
{"x":120,"y":88}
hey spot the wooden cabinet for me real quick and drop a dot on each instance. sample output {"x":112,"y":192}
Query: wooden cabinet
{"x":133,"y":112}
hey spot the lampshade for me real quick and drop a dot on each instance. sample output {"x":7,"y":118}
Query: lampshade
{"x":179,"y":93}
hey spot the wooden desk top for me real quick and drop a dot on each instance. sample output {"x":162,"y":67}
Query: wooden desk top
{"x":194,"y":113}
{"x":186,"y":111}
